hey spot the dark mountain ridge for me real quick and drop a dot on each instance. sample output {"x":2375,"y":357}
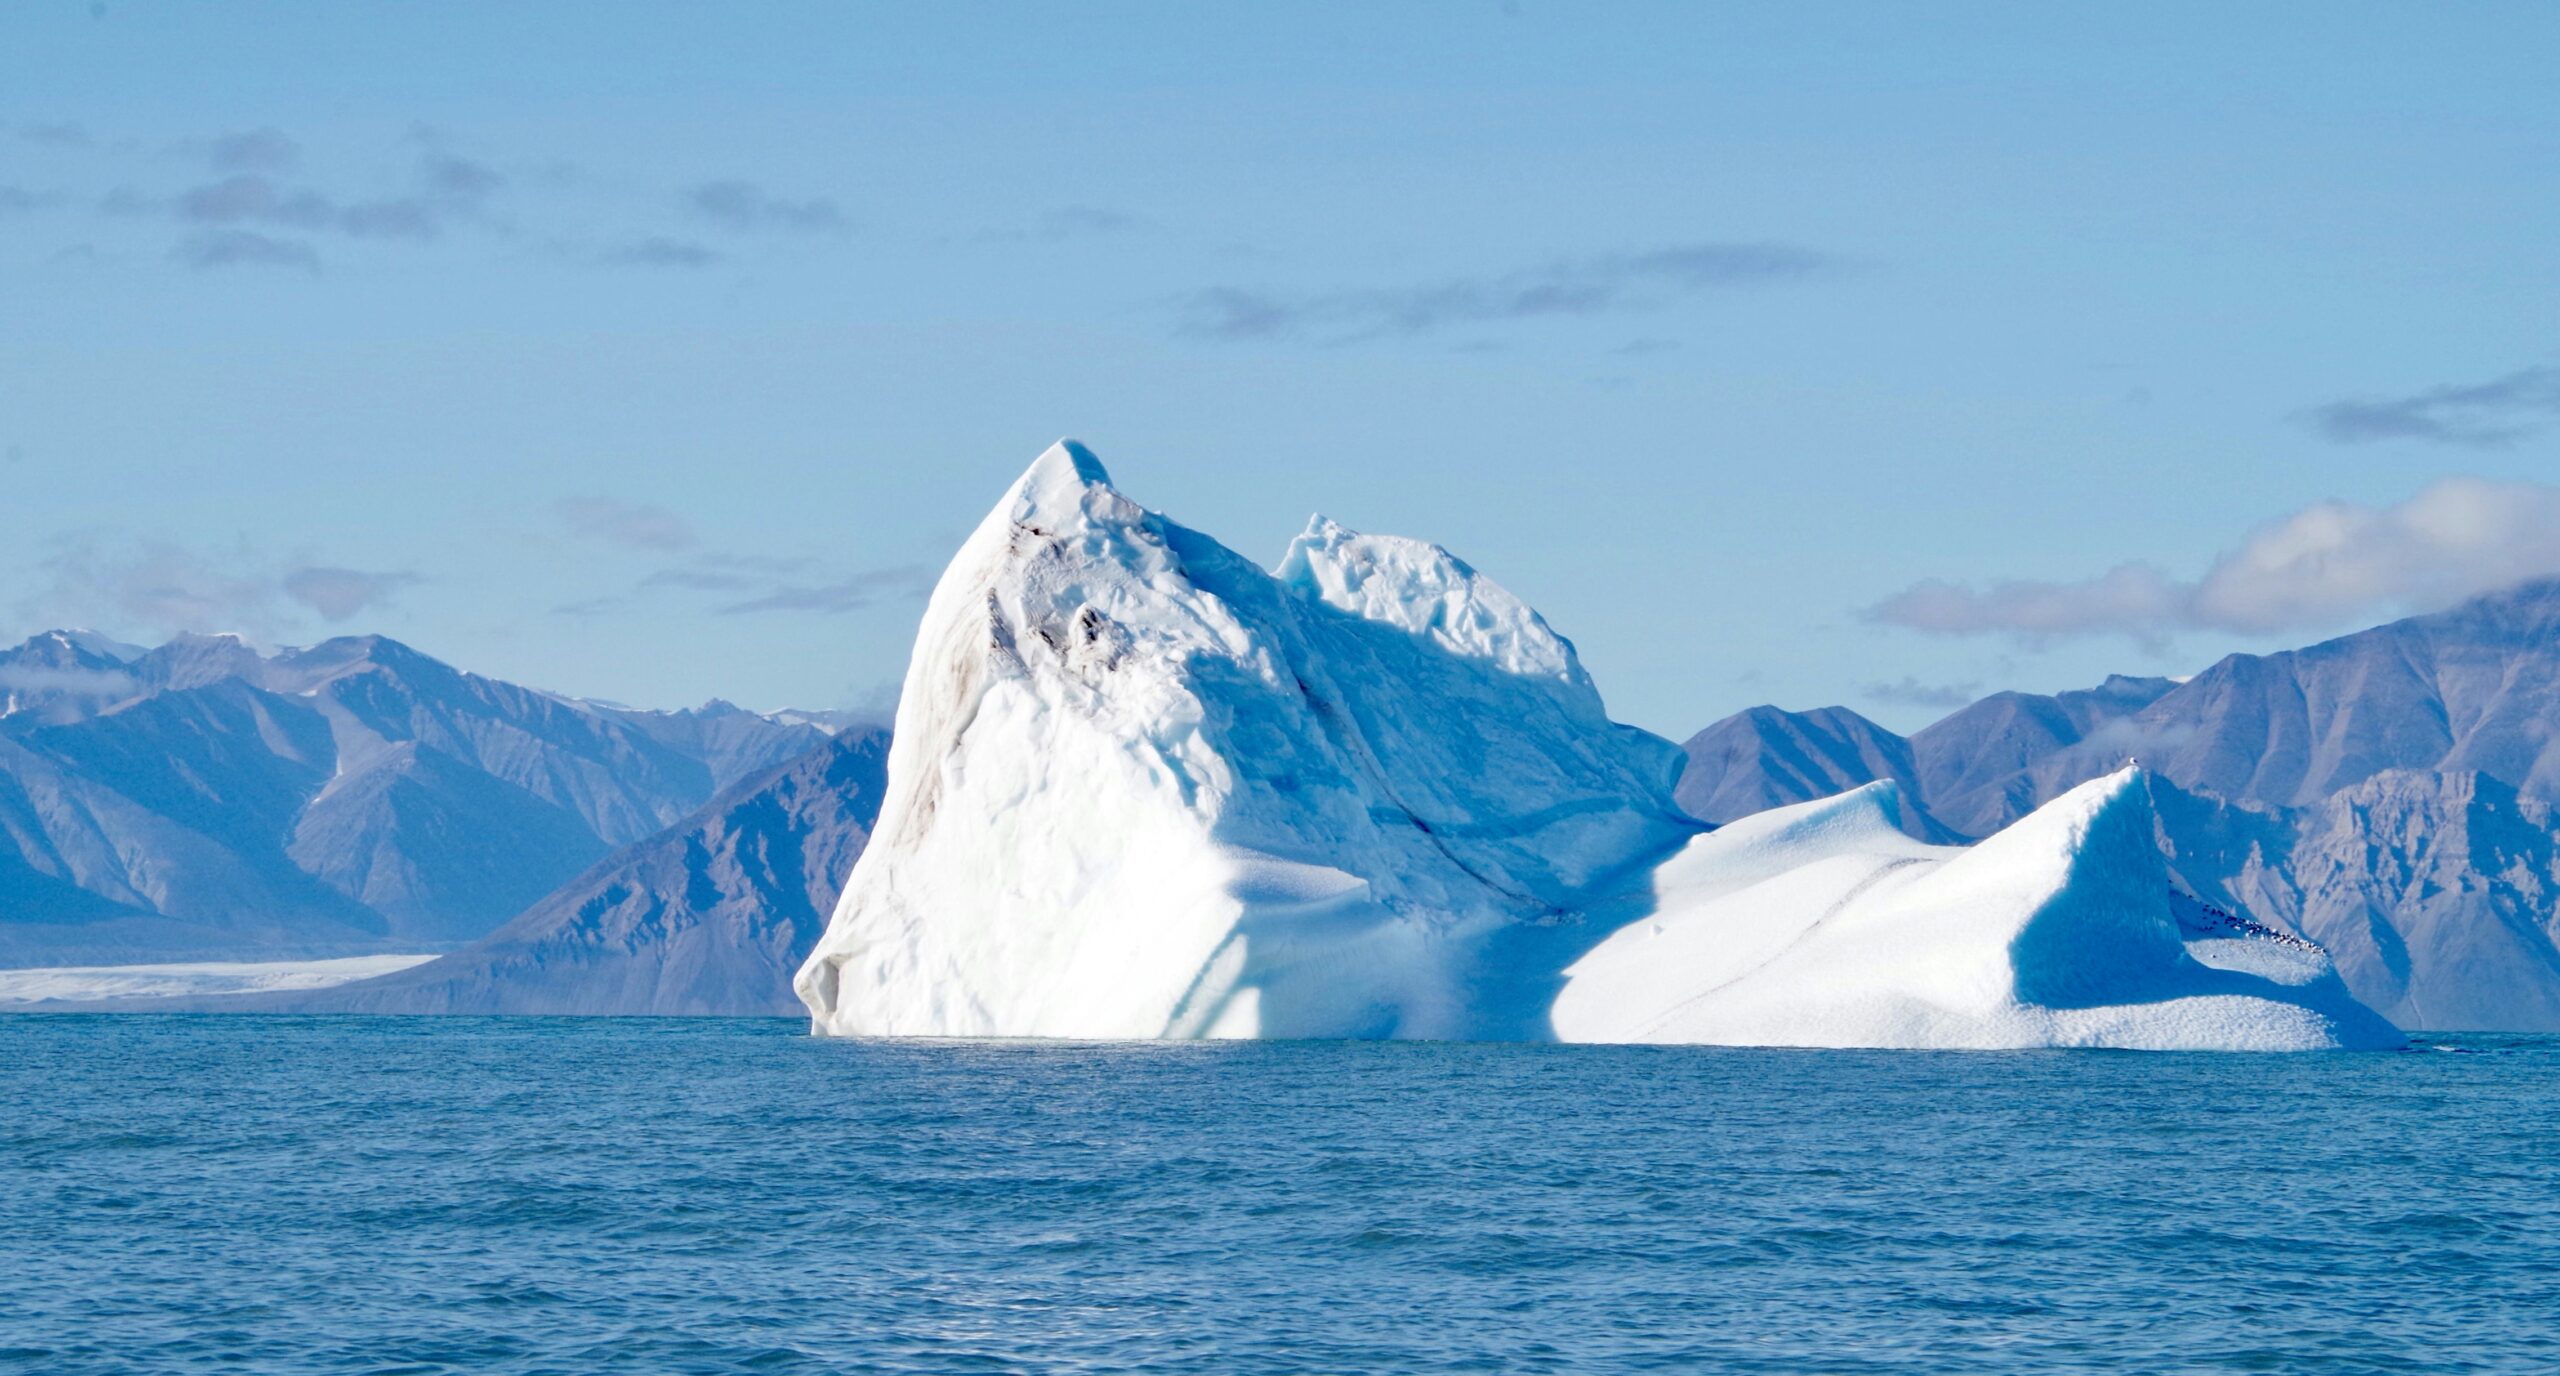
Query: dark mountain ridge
{"x":711,"y":916}
{"x":204,"y":800}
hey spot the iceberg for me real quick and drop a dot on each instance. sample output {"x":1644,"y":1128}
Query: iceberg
{"x":1140,"y":787}
{"x":1825,"y":924}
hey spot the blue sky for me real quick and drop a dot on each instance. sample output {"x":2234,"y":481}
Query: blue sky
{"x":1805,"y":353}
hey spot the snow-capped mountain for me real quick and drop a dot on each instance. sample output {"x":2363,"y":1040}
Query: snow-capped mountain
{"x":205,"y":799}
{"x":2386,"y":793}
{"x":65,"y":675}
{"x":1142,"y":788}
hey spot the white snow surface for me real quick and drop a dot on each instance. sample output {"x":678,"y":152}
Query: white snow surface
{"x":1823,"y":924}
{"x":103,"y":645}
{"x":1139,"y":787}
{"x":89,"y":983}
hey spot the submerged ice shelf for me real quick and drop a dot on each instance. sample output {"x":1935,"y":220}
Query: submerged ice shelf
{"x":1140,"y":787}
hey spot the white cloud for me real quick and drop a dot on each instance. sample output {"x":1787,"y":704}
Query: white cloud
{"x":31,"y":679}
{"x":2323,"y":566}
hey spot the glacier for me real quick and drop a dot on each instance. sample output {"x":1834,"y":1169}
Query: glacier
{"x":1140,"y":787}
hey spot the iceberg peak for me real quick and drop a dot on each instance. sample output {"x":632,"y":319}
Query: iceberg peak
{"x":1321,"y":530}
{"x":1427,"y":592}
{"x":1140,"y":787}
{"x":1057,"y":486}
{"x":1069,"y":458}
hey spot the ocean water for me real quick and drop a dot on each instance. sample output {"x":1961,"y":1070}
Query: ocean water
{"x":340,"y":1195}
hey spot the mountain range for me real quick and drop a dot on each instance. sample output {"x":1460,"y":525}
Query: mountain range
{"x":2387,"y":794}
{"x":710,"y":916}
{"x":206,"y":800}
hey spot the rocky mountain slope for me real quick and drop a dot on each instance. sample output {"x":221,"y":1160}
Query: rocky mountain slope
{"x":1763,"y":757}
{"x":2386,"y":793}
{"x":710,"y":916}
{"x":205,"y":800}
{"x":1994,"y":761}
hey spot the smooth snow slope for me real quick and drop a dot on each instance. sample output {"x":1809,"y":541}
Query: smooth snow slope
{"x":1139,"y":787}
{"x":1823,"y":924}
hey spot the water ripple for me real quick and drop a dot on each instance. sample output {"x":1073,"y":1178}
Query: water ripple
{"x":514,"y":1197}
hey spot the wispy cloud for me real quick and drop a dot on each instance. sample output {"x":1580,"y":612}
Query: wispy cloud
{"x":2136,"y":600}
{"x":255,"y":182}
{"x":338,"y":593}
{"x":744,"y":205}
{"x":55,"y":135}
{"x":244,"y":210}
{"x":840,"y":596}
{"x":699,"y":579}
{"x":2478,"y":415}
{"x":659,"y":252}
{"x":32,"y":679}
{"x":638,"y":525}
{"x":748,"y":584}
{"x":2321,"y":567}
{"x":246,"y":197}
{"x":397,"y":219}
{"x":459,"y":178}
{"x":222,"y":248}
{"x":164,"y":588}
{"x":248,"y":150}
{"x":1911,"y":692}
{"x":1570,"y":287}
{"x":1064,"y":223}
